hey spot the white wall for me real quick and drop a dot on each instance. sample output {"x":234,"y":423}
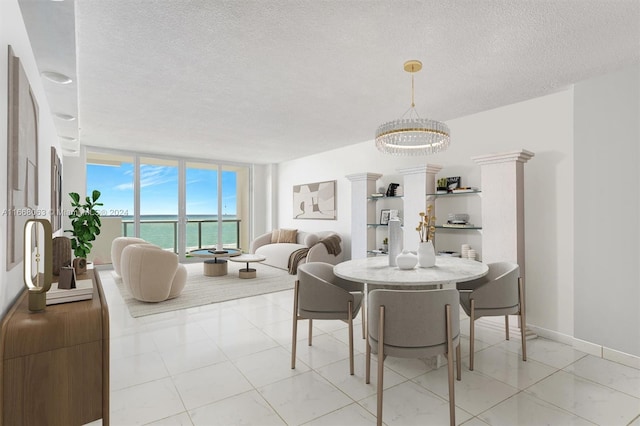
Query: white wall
{"x":74,"y":179}
{"x":544,"y":126}
{"x":14,"y":33}
{"x":607,"y":211}
{"x":262,"y":189}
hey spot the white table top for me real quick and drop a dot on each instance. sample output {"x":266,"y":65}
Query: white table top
{"x":376,"y":270}
{"x":248,"y":258}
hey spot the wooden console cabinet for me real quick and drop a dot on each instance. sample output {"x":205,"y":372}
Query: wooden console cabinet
{"x":54,"y":365}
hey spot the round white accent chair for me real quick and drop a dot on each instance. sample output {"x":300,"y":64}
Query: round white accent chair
{"x":152,"y":274}
{"x":117,"y":245}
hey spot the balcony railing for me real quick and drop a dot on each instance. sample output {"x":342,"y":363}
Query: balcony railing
{"x":200,"y":233}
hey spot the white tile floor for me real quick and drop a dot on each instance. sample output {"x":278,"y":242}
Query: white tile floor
{"x":229,"y":364}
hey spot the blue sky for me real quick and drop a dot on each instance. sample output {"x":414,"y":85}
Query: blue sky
{"x":159,"y":189}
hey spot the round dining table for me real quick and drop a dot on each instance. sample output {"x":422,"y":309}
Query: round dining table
{"x":376,"y":272}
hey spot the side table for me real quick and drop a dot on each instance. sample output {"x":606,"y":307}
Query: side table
{"x":248,"y":258}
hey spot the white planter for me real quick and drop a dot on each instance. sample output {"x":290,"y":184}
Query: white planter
{"x":426,"y":255}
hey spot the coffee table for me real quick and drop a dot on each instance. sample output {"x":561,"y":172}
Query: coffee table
{"x":248,"y":258}
{"x":214,"y":264}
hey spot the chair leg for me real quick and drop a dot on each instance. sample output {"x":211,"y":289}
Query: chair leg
{"x":350,"y":320}
{"x":364,"y":318}
{"x":471,"y":334}
{"x":523,"y":323}
{"x":380,"y":365}
{"x":452,"y":404}
{"x":506,"y":326}
{"x":367,"y":377}
{"x":294,"y":337}
{"x":459,"y":361}
{"x":310,"y":333}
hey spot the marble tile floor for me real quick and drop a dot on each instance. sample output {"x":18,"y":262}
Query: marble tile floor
{"x":229,"y":364}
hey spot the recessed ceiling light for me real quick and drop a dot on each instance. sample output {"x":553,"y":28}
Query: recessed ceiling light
{"x":65,"y":117}
{"x":56,"y":77}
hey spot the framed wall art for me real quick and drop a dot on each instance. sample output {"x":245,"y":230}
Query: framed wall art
{"x":22,"y":158}
{"x":56,"y":190}
{"x":315,"y":200}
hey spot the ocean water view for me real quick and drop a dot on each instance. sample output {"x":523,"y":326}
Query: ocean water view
{"x":202,"y":230}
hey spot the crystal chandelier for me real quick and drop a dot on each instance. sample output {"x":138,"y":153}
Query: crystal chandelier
{"x":412,"y":135}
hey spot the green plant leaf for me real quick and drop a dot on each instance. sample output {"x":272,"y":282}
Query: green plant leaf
{"x":85,"y":221}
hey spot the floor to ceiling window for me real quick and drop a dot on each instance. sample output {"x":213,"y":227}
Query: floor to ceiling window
{"x":179,"y":205}
{"x":113,"y":176}
{"x":159,"y":202}
{"x":202,"y":205}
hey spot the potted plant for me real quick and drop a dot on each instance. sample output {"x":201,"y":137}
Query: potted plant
{"x":85,"y":221}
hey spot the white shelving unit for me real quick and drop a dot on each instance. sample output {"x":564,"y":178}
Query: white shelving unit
{"x":452,"y":238}
{"x":499,"y":234}
{"x":381,"y":231}
{"x":363,"y":211}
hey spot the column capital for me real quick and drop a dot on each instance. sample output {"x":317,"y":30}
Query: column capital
{"x":521,"y":156}
{"x":363,"y":176}
{"x":426,"y":168}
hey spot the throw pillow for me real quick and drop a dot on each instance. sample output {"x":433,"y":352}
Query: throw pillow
{"x":284,"y":236}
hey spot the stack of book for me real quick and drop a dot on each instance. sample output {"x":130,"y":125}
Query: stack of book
{"x":83,"y":291}
{"x":458,"y":220}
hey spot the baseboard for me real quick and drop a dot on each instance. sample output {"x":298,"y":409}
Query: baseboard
{"x":621,"y":357}
{"x":588,"y":347}
{"x":552,"y":335}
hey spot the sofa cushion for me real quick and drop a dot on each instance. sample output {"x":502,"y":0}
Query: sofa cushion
{"x":278,"y":254}
{"x":284,"y":236}
{"x":310,"y":240}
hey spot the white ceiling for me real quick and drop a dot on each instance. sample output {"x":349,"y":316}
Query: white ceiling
{"x":268,"y":81}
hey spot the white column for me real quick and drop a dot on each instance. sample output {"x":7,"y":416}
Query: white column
{"x":363,"y":211}
{"x":502,"y":178}
{"x":418,"y":182}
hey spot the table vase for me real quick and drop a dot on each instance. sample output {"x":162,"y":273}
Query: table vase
{"x":395,"y":240}
{"x":426,"y":254}
{"x":406,"y":260}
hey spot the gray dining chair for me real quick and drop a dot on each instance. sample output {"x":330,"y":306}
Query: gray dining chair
{"x":498,"y":293}
{"x":413,"y":324}
{"x":319,"y":294}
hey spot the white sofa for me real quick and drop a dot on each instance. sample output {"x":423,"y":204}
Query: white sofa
{"x":277,"y":254}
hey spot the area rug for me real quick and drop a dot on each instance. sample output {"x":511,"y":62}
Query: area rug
{"x":201,"y":290}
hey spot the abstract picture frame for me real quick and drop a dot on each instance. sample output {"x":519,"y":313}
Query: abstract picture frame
{"x":22,"y":158}
{"x":56,"y":190}
{"x":385,"y":215}
{"x":315,"y":201}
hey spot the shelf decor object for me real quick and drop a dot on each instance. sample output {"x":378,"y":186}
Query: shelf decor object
{"x":61,"y":253}
{"x":412,"y":135}
{"x":37,"y":279}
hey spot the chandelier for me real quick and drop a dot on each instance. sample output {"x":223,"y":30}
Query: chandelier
{"x":412,"y":135}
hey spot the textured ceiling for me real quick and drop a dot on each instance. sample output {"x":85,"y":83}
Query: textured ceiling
{"x":269,"y":81}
